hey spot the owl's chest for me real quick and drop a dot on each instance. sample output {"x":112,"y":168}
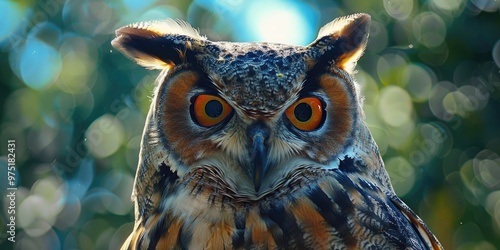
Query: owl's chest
{"x":317,"y":216}
{"x":215,"y":221}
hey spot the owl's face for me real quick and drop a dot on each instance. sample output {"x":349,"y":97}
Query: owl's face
{"x":252,"y":115}
{"x":255,"y":113}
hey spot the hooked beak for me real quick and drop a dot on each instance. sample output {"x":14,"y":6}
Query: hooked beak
{"x":258,"y":134}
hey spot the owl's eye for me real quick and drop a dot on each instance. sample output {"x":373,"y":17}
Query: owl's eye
{"x":306,"y":114}
{"x":210,"y":110}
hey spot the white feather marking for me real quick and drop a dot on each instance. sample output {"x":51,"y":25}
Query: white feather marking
{"x":336,"y":25}
{"x":349,"y":152}
{"x":167,"y":27}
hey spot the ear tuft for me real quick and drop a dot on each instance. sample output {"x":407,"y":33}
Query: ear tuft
{"x":156,"y":44}
{"x":343,"y":40}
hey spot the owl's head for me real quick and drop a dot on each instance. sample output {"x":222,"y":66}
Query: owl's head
{"x":250,"y":115}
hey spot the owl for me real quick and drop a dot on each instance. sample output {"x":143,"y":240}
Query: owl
{"x":261,"y":146}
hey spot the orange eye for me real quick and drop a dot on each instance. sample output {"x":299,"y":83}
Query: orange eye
{"x":306,"y":114}
{"x":210,"y":110}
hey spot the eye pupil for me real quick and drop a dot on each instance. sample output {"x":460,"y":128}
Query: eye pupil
{"x":213,"y":108}
{"x":303,"y":112}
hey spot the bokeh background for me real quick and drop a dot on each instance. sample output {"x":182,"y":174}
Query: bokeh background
{"x":76,"y":107}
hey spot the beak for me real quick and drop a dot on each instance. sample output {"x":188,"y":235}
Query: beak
{"x":258,"y":133}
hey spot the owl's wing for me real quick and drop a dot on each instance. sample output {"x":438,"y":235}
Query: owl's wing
{"x":421,"y":229}
{"x":361,"y":215}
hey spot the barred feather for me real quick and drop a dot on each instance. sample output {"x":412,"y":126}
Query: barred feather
{"x":331,"y":210}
